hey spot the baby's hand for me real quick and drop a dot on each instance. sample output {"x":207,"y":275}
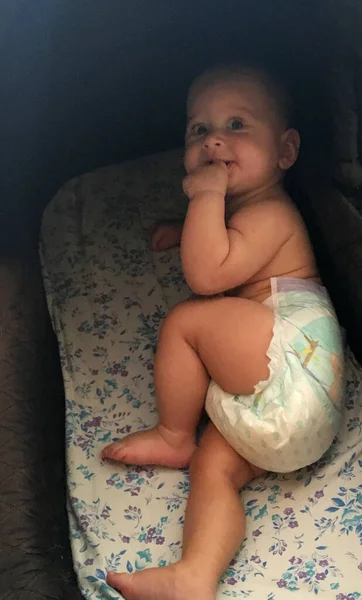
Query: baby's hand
{"x":212,"y":178}
{"x":165,"y":236}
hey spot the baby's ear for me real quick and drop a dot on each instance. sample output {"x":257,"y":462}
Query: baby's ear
{"x":289,"y":149}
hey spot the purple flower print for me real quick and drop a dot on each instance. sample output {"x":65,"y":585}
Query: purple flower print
{"x":256,"y":533}
{"x":82,"y":442}
{"x":256,"y":559}
{"x":288,"y":511}
{"x":89,"y":561}
{"x":231,"y":581}
{"x":295,"y":560}
{"x":349,"y":404}
{"x":320,"y":576}
{"x":281,"y":583}
{"x":293,"y":524}
{"x":95,"y":422}
{"x":323,"y":563}
{"x":319,"y":494}
{"x":302,"y":574}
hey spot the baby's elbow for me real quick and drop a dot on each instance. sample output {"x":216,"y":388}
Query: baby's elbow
{"x":200,"y":277}
{"x":202,"y":286}
{"x":201,"y":290}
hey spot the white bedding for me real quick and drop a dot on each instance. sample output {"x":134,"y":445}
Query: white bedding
{"x":107,"y":294}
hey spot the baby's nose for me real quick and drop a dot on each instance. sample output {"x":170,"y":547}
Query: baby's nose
{"x":213,"y":140}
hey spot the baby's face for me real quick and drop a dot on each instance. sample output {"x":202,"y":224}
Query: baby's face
{"x":235,"y":122}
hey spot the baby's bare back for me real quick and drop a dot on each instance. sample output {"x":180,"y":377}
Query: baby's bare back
{"x":295,"y":258}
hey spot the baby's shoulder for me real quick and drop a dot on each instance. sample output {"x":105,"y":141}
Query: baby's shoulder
{"x":278,"y":209}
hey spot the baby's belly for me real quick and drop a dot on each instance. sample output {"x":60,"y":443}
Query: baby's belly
{"x":260,"y":290}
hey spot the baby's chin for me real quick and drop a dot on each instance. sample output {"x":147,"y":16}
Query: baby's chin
{"x":233,"y":196}
{"x":234,"y":190}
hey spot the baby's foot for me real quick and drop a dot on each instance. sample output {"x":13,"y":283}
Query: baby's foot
{"x":157,"y":446}
{"x":167,"y":583}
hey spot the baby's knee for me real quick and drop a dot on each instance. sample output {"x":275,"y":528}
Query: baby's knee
{"x":202,"y":463}
{"x":228,"y":466}
{"x":207,"y":461}
{"x":180,"y":316}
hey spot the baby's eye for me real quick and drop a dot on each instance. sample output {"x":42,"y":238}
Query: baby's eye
{"x":235,"y":124}
{"x":199,"y":130}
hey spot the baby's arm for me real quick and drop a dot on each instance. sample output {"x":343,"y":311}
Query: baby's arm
{"x":216,"y":258}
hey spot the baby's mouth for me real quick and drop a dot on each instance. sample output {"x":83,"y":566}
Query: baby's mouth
{"x":228,"y":163}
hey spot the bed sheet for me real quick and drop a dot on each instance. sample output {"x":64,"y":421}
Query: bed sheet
{"x":107,"y":294}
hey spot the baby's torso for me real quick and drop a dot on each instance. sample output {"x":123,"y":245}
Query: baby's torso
{"x":294,"y":259}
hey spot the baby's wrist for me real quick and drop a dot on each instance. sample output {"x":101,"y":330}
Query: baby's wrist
{"x":207,"y":195}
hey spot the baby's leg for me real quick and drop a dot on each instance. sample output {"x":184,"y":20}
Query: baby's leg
{"x":222,"y":338}
{"x":214,"y":528}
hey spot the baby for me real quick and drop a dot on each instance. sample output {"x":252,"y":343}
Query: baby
{"x":265,"y":359}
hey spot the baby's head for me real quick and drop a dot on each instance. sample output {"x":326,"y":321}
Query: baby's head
{"x":242,"y":116}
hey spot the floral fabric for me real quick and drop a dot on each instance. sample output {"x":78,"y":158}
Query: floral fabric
{"x":107,"y":295}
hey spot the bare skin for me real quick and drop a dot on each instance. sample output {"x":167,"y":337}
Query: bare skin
{"x":188,"y":344}
{"x":241,"y":230}
{"x":217,"y":473}
{"x":202,"y":352}
{"x":176,"y":581}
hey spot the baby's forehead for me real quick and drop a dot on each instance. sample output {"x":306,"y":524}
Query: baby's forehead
{"x":237,"y":89}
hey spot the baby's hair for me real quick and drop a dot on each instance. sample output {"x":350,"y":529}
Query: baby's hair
{"x":272,"y":84}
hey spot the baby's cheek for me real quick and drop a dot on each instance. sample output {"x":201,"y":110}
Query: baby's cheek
{"x":257,"y":156}
{"x":191,"y":159}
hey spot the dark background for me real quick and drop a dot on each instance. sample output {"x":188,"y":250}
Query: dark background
{"x":85,"y":83}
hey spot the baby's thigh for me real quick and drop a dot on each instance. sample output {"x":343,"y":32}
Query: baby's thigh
{"x":231,"y":336}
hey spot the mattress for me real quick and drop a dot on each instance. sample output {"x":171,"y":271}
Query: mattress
{"x":107,"y":294}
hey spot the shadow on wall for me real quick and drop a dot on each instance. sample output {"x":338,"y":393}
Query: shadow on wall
{"x":90,"y":83}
